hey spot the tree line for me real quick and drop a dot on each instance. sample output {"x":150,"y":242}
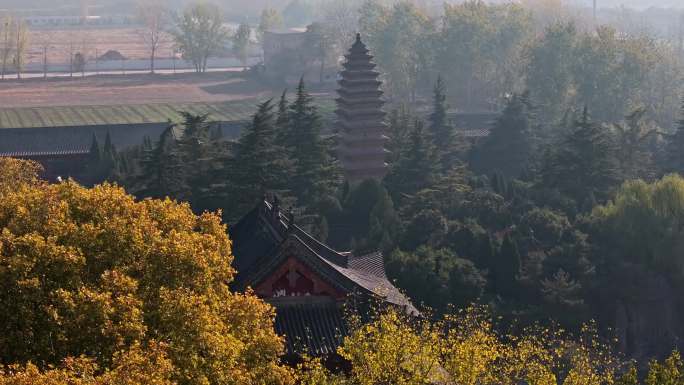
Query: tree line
{"x":487,"y":52}
{"x":13,"y":45}
{"x":537,"y":223}
{"x":107,"y":289}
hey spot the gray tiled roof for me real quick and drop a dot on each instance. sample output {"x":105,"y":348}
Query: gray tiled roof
{"x":261,"y":235}
{"x":36,"y":154}
{"x":314,"y":325}
{"x":74,"y":139}
{"x":265,"y":238}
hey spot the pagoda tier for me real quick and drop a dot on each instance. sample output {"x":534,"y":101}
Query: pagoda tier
{"x":360,"y":118}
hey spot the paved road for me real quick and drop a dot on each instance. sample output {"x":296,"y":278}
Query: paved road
{"x":39,"y":75}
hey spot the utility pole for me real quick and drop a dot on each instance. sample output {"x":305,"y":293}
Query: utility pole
{"x":595,"y":11}
{"x":680,"y":37}
{"x":45,"y":62}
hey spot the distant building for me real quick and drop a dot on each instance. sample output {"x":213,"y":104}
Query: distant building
{"x":288,"y":56}
{"x":306,"y":281}
{"x":64,"y":151}
{"x":276,"y":42}
{"x":360,"y":118}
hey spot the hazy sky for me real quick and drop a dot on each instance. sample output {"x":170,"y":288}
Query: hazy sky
{"x":634,"y":3}
{"x":640,"y":4}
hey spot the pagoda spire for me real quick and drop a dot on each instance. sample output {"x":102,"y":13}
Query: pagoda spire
{"x":360,"y":118}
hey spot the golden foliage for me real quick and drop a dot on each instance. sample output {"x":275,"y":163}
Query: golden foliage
{"x":117,"y":291}
{"x":14,"y":172}
{"x":465,"y":348}
{"x":670,"y":372}
{"x":393,"y":350}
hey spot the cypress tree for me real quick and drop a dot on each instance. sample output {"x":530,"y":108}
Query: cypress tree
{"x":93,"y":169}
{"x":485,"y":253}
{"x":314,"y":170}
{"x":441,"y":131}
{"x":103,"y":164}
{"x":399,"y":127}
{"x":260,"y":164}
{"x":146,"y":156}
{"x":417,"y":166}
{"x":584,"y":165}
{"x":193,"y":149}
{"x":109,"y":149}
{"x":95,"y":153}
{"x":675,"y":148}
{"x":506,"y":268}
{"x":193,"y":144}
{"x":508,"y":147}
{"x":110,"y":158}
{"x":164,"y":175}
{"x":283,"y":119}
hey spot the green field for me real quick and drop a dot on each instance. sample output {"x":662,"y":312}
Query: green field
{"x":233,"y":111}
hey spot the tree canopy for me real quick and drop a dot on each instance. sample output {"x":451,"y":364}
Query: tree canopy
{"x":96,"y":283}
{"x":200,"y":33}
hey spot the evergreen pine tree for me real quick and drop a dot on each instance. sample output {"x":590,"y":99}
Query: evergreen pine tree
{"x":506,"y":268}
{"x":194,"y":141}
{"x":283,"y":119}
{"x":632,"y":144}
{"x":442,"y":132}
{"x":314,"y":169}
{"x":485,"y":253}
{"x":584,"y":165}
{"x":103,"y":163}
{"x":417,"y":167}
{"x":399,"y":127}
{"x":109,"y":149}
{"x":92,"y":173}
{"x":193,"y":148}
{"x":145,"y":158}
{"x":508,"y":147}
{"x":260,"y":164}
{"x":164,"y":177}
{"x":95,"y":153}
{"x":110,"y":158}
{"x":675,"y":148}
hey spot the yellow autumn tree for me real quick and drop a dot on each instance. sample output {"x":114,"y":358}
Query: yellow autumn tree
{"x":669,"y":372}
{"x":98,"y":288}
{"x":471,"y":349}
{"x":466,"y":348}
{"x":393,"y":349}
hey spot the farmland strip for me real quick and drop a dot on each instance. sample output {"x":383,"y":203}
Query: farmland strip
{"x":36,"y":115}
{"x":12,"y":119}
{"x":156,"y":114}
{"x":102,"y":119}
{"x":169,"y":111}
{"x":121,"y":114}
{"x":89,"y":114}
{"x":135,"y":111}
{"x":62,"y":118}
{"x":3,"y":118}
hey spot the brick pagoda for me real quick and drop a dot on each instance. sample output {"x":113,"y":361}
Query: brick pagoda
{"x":360,"y":118}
